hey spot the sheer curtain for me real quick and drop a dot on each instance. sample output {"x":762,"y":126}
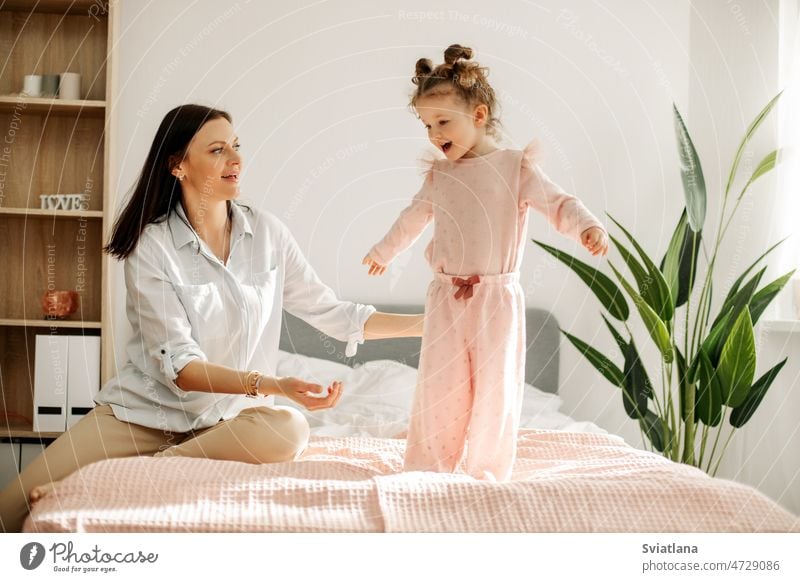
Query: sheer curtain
{"x":788,"y":211}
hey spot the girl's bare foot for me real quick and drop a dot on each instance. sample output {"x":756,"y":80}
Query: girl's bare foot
{"x":38,"y":492}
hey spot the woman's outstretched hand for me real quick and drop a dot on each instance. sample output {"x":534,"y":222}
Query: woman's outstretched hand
{"x":304,"y":392}
{"x":375,"y":268}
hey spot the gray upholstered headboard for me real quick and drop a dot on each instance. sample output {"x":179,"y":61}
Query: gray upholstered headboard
{"x":541,"y":366}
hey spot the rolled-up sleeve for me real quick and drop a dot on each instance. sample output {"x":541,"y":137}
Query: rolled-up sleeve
{"x":307,"y":297}
{"x":157,"y":314}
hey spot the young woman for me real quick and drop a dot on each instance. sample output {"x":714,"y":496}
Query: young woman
{"x":206,"y":281}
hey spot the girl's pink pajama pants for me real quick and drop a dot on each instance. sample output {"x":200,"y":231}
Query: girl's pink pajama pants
{"x":471,"y":376}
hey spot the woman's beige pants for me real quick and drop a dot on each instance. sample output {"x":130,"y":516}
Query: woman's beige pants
{"x":257,"y":435}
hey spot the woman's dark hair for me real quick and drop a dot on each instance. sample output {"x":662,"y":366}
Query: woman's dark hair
{"x":460,"y":75}
{"x":157,"y":191}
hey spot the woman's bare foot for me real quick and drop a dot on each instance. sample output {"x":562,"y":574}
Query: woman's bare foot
{"x":38,"y":492}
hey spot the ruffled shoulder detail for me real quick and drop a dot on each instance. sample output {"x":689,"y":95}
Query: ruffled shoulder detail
{"x":426,"y":164}
{"x":531,"y":154}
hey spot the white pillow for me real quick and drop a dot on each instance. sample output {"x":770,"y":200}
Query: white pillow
{"x":310,"y":369}
{"x":377,"y":396}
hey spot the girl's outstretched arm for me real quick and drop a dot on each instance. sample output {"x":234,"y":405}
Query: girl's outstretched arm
{"x":565,"y":212}
{"x":405,"y":230}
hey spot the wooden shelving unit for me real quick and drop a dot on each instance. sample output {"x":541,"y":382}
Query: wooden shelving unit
{"x":51,"y":146}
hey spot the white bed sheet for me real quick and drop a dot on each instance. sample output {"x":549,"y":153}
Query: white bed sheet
{"x":377,"y":396}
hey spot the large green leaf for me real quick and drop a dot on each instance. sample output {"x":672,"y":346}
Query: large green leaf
{"x":708,"y":403}
{"x":730,"y":311}
{"x":737,"y":301}
{"x":713,"y":343}
{"x":754,"y":125}
{"x":606,"y":367}
{"x":655,"y":326}
{"x":653,"y":289}
{"x":764,"y":166}
{"x":654,"y":428}
{"x":742,"y":413}
{"x":694,"y":184}
{"x":623,"y":345}
{"x":737,"y":364}
{"x":638,"y":271}
{"x":679,"y":264}
{"x":601,"y":285}
{"x":736,"y":284}
{"x":636,"y":387}
{"x":764,"y":296}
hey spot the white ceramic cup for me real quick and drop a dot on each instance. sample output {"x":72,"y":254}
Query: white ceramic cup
{"x":69,"y":86}
{"x":32,"y":86}
{"x":50,"y":86}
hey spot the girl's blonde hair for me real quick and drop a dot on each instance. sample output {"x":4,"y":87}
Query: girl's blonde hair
{"x":459,"y":75}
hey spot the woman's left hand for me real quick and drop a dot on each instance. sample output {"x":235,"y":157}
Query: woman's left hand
{"x":310,"y":396}
{"x":595,"y":240}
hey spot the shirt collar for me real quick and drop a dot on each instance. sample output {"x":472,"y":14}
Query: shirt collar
{"x":183,"y":233}
{"x":241,"y":223}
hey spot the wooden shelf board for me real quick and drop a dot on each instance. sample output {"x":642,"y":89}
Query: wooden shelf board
{"x":49,"y":105}
{"x":22,"y":430}
{"x":55,"y":6}
{"x":40,"y":213}
{"x":5,"y":322}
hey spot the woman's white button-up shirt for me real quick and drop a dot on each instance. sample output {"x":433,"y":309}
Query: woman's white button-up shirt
{"x":184,"y":303}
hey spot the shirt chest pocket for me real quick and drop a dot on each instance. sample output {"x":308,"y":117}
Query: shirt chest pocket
{"x":260,"y":298}
{"x":206,"y":312}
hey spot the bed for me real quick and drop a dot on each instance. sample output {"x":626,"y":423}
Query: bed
{"x":570,"y":475}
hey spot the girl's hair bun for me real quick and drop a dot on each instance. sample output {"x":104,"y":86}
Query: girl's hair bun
{"x":455,"y":52}
{"x":423,"y":68}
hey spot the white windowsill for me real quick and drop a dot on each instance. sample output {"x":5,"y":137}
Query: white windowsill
{"x":780,"y":325}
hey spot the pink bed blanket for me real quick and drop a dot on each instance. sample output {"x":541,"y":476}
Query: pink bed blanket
{"x":562,"y":482}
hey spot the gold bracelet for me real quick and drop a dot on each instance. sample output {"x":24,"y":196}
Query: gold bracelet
{"x":252,"y":382}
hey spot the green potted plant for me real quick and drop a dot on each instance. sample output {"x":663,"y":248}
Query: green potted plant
{"x":707,"y":368}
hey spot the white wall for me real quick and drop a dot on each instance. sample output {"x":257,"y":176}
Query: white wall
{"x":319,"y":96}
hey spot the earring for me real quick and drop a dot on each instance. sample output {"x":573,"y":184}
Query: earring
{"x":181,"y":177}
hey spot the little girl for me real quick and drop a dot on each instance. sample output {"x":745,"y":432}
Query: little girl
{"x":472,"y":365}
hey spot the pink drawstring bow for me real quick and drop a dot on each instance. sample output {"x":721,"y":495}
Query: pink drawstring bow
{"x":465,"y":286}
